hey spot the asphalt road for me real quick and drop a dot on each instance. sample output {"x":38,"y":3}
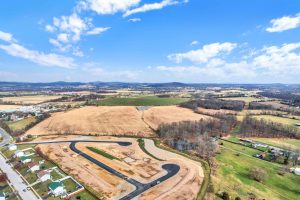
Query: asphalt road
{"x":171,"y":169}
{"x":6,"y":138}
{"x":12,"y":175}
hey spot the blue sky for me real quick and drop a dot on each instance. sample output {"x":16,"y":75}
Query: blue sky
{"x":204,"y":41}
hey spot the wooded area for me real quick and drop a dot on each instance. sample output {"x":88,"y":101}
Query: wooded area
{"x":251,"y":127}
{"x":215,"y":104}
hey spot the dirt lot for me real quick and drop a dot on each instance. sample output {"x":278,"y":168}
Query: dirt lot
{"x":8,"y":107}
{"x":168,"y":114}
{"x":114,"y":120}
{"x":184,"y":185}
{"x":86,"y":172}
{"x":36,"y":99}
{"x":213,"y":111}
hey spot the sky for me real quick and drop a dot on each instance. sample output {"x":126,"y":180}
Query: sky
{"x":191,"y":41}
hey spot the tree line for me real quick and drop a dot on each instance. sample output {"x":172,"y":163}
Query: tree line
{"x":213,"y":103}
{"x":196,"y":135}
{"x":288,"y":97}
{"x":251,"y":127}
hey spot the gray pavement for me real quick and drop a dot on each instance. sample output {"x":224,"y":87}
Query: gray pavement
{"x":15,"y":179}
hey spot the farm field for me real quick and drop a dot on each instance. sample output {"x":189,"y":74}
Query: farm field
{"x":276,"y":119}
{"x":281,"y":143}
{"x":35,"y":99}
{"x":113,"y":120}
{"x":235,"y":170}
{"x":140,"y":101}
{"x":155,"y":116}
{"x":21,"y":124}
{"x":8,"y":107}
{"x":245,"y":99}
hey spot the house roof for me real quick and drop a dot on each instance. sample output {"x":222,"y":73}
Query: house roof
{"x":32,"y":164}
{"x":42,"y":173}
{"x":54,"y":185}
{"x":23,"y":158}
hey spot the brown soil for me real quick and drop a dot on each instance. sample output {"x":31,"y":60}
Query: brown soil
{"x":95,"y":120}
{"x":154,"y":116}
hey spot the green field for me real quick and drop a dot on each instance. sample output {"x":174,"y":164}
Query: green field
{"x":281,"y":143}
{"x":140,"y":101}
{"x":232,"y":175}
{"x":103,"y":153}
{"x":282,"y":120}
{"x":20,"y":125}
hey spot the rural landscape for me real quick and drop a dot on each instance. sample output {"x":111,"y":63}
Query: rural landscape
{"x":150,"y":100}
{"x":168,"y":144}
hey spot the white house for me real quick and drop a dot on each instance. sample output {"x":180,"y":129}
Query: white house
{"x":43,"y":175}
{"x":57,"y":188}
{"x":19,"y":153}
{"x":33,"y":166}
{"x":25,"y":159}
{"x":12,"y":147}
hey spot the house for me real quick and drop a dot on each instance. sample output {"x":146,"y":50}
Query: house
{"x":33,"y":166}
{"x":43,"y":175}
{"x":25,"y":159}
{"x":19,"y":153}
{"x":57,"y":188}
{"x":12,"y":147}
{"x":2,"y":196}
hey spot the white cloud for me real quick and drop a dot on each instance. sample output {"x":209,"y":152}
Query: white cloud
{"x":279,"y":59}
{"x":97,"y":30}
{"x":135,"y":20}
{"x":63,"y":37}
{"x":195,"y":42}
{"x":7,"y":37}
{"x":51,"y":60}
{"x":204,"y":54}
{"x":269,"y":64}
{"x":284,"y":23}
{"x":152,"y":6}
{"x":105,"y":7}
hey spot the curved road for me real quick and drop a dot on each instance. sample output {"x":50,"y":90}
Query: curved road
{"x":172,"y":169}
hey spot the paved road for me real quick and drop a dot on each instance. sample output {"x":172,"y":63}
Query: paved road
{"x":171,"y":169}
{"x":16,"y":181}
{"x":6,"y":138}
{"x":12,"y":175}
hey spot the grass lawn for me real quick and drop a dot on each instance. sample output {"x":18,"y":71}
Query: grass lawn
{"x":6,"y":189}
{"x":103,"y":153}
{"x":85,"y":195}
{"x":232,"y":176}
{"x":142,"y":146}
{"x":55,"y":176}
{"x":70,"y":185}
{"x":140,"y":101}
{"x":281,"y":143}
{"x":282,"y":120}
{"x":20,"y":125}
